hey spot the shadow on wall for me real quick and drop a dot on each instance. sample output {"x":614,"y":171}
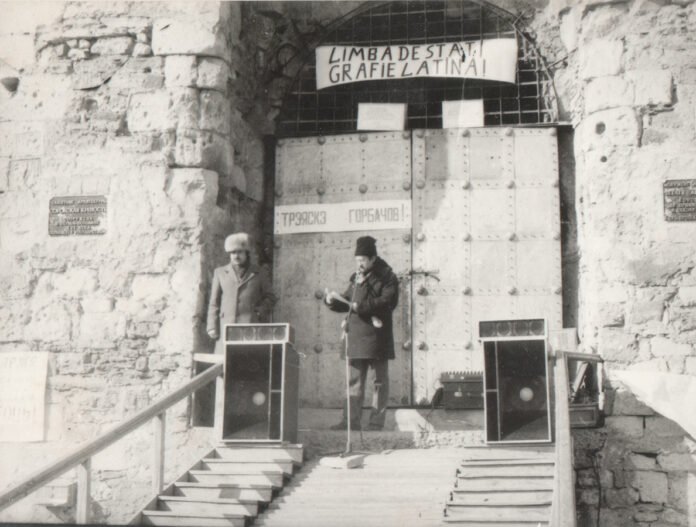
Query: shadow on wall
{"x":639,"y":469}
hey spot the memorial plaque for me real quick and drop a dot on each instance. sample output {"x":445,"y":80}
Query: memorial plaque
{"x":77,"y":215}
{"x":680,"y":199}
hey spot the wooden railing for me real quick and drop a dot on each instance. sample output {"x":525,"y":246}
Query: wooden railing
{"x":81,"y":457}
{"x":563,"y":504}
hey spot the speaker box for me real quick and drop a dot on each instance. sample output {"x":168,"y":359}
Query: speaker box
{"x":517,"y":390}
{"x":261,"y":389}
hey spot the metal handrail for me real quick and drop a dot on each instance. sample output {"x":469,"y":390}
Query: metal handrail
{"x":81,"y":456}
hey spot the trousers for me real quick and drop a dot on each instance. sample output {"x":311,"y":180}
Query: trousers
{"x":380,"y":396}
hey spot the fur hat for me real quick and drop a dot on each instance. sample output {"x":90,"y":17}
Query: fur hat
{"x":366,"y":246}
{"x":238,"y":241}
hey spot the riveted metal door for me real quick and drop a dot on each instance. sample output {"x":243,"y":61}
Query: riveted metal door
{"x":486,"y":241}
{"x":334,"y":170}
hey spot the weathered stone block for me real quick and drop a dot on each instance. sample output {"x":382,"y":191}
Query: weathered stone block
{"x":617,"y":517}
{"x":190,"y":37}
{"x":213,"y":74}
{"x":690,"y":366}
{"x":640,"y":462}
{"x":662,"y":426}
{"x":677,"y":462}
{"x":608,"y":129}
{"x":601,"y":57}
{"x":652,"y":486}
{"x":616,"y":344}
{"x":651,"y":87}
{"x":682,"y":495}
{"x":112,"y":46}
{"x":150,"y":288}
{"x":686,"y":296}
{"x":89,"y":74}
{"x":205,"y":150}
{"x":604,"y":93}
{"x":139,"y":74}
{"x":621,"y":497}
{"x":625,"y":403}
{"x":663,"y":347}
{"x":649,"y":365}
{"x":589,"y":497}
{"x":49,"y":323}
{"x":141,"y":50}
{"x":181,"y":70}
{"x":102,"y":330}
{"x":586,"y":478}
{"x":143,"y":329}
{"x":215,"y":112}
{"x":150,"y":111}
{"x":643,"y":312}
{"x":625,"y":425}
{"x":97,"y":304}
{"x":74,"y":282}
{"x":186,"y":103}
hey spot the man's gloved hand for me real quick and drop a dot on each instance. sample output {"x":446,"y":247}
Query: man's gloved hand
{"x":213,"y":334}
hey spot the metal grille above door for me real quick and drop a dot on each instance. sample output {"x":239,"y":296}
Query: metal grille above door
{"x":531,"y":100}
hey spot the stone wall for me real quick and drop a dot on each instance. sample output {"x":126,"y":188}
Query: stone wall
{"x":625,"y":76}
{"x":143,"y":103}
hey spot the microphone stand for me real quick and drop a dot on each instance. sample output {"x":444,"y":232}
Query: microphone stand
{"x":346,"y":328}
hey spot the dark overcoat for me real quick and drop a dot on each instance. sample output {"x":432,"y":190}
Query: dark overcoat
{"x":376,"y":296}
{"x":248,"y":299}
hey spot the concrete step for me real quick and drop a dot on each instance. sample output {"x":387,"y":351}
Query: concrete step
{"x":493,"y":484}
{"x":503,"y":471}
{"x":473,"y":523}
{"x":208,"y":506}
{"x":531,"y":497}
{"x":259,"y":453}
{"x":275,"y":479}
{"x":225,"y":465}
{"x":507,"y":462}
{"x":262,"y":493}
{"x":520,"y":514}
{"x":171,"y":519}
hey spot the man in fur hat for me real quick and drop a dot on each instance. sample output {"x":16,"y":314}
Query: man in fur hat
{"x":241,"y":291}
{"x":372,"y":295}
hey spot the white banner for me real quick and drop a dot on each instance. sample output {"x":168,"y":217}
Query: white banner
{"x":22,"y":395}
{"x":343,"y":217}
{"x":492,"y":59}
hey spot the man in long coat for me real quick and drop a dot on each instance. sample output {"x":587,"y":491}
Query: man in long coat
{"x":372,"y":295}
{"x":240,"y":293}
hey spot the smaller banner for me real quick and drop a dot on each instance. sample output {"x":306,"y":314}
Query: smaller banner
{"x":22,"y":395}
{"x":343,"y":217}
{"x":492,"y":59}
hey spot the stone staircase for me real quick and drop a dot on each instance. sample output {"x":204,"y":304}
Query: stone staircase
{"x":502,"y":487}
{"x":227,"y":487}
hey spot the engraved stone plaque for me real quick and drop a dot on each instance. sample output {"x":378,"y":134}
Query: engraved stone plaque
{"x":77,"y":215}
{"x":680,"y":199}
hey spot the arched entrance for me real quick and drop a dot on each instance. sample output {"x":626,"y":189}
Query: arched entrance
{"x":471,"y":214}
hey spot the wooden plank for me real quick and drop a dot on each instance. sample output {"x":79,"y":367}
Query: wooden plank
{"x":500,"y":484}
{"x":534,"y":497}
{"x":507,"y":471}
{"x":83,"y":490}
{"x":517,"y":513}
{"x":158,"y":433}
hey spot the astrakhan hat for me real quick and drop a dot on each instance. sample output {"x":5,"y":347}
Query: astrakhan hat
{"x":237,"y":242}
{"x":366,"y":246}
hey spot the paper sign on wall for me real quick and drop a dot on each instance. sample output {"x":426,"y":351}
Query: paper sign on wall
{"x":22,"y":395}
{"x":343,"y":217}
{"x":490,"y":59}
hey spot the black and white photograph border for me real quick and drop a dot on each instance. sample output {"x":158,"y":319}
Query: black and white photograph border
{"x":343,"y":263}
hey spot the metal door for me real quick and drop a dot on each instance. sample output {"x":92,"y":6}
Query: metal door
{"x":329,"y":170}
{"x":486,"y":241}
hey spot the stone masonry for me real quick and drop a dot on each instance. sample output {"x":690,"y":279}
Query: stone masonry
{"x":162,"y":108}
